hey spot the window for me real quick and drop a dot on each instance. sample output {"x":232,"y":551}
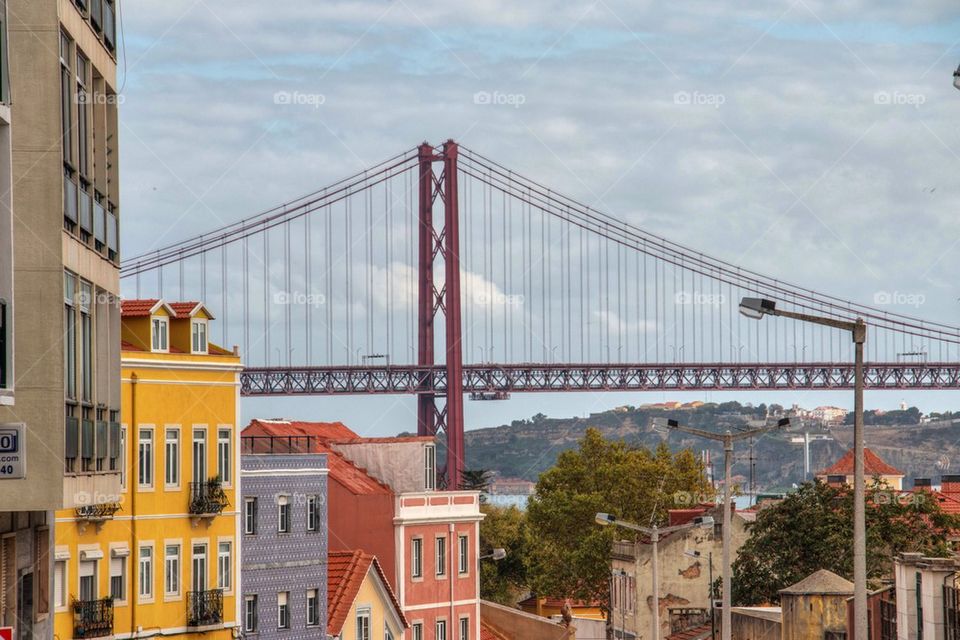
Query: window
{"x":363,"y":624}
{"x":69,"y":336}
{"x":118,"y":578}
{"x":441,"y":556}
{"x":66,"y":107}
{"x":171,"y":570}
{"x":224,"y":567}
{"x":250,"y":516}
{"x":441,"y":630}
{"x":430,"y":467}
{"x":123,"y":457}
{"x":283,"y":514}
{"x":172,"y":462}
{"x":313,"y":608}
{"x":416,"y":558}
{"x":387,"y":634}
{"x":146,"y":572}
{"x":86,"y":341}
{"x":199,"y":335}
{"x":313,"y":513}
{"x":160,"y":326}
{"x":464,"y":628}
{"x":87,"y":571}
{"x":60,"y":584}
{"x":199,"y":455}
{"x":82,"y":101}
{"x":283,"y":610}
{"x":250,"y":613}
{"x":417,"y":630}
{"x":223,"y":455}
{"x":199,"y":567}
{"x":145,"y":468}
{"x":464,"y":549}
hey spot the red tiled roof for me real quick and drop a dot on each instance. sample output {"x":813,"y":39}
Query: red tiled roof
{"x":873,"y":465}
{"x":949,"y":502}
{"x":554,"y":601}
{"x":697,"y":633}
{"x":489,"y":633}
{"x":183,"y":308}
{"x":325,"y":431}
{"x":346,"y":571}
{"x":340,"y":470}
{"x":137,"y":308}
{"x":386,"y":440}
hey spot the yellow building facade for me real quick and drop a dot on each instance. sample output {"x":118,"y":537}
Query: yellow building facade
{"x":161,"y":559}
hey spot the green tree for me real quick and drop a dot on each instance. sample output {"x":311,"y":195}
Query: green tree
{"x":812,"y":529}
{"x":568,"y":554}
{"x":476,"y":480}
{"x":503,"y":528}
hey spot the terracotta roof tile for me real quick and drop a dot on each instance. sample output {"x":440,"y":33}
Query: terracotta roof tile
{"x":873,"y":465}
{"x":697,"y":633}
{"x":489,"y":633}
{"x":341,"y":470}
{"x":137,"y":308}
{"x":346,"y":571}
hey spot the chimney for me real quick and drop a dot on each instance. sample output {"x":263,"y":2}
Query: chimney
{"x":922,"y":483}
{"x":950,"y":484}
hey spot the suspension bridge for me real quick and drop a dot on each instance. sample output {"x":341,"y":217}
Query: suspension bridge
{"x":440,"y":273}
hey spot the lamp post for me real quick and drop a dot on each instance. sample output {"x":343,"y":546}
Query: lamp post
{"x":727,"y":439}
{"x":654,"y":534}
{"x":710,"y":592}
{"x":757,"y":308}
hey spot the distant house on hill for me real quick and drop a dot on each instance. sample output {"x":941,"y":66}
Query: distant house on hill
{"x":841,"y":472}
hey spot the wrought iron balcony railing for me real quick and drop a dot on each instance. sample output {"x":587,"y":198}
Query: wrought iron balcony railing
{"x":102,"y":511}
{"x":92,"y":618}
{"x":204,"y":607}
{"x":207,"y":498}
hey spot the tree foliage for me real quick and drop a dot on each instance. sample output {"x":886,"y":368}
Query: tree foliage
{"x":476,"y":480}
{"x":505,"y":528}
{"x":568,"y":554}
{"x":812,"y":529}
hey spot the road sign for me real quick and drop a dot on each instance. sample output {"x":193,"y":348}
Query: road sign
{"x":13,"y":454}
{"x":6,"y":633}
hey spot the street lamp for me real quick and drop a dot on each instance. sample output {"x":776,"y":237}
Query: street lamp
{"x":710,"y":591}
{"x":496,"y":554}
{"x":727,"y":439}
{"x":757,"y":308}
{"x":956,"y":78}
{"x":654,"y":534}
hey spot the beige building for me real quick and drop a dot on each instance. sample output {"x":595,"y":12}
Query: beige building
{"x":874,"y":469}
{"x":684,"y":564}
{"x":59,"y":281}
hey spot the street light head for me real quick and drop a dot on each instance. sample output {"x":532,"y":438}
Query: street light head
{"x":692,"y":553}
{"x":499,"y":554}
{"x":756,"y":308}
{"x":605,"y":519}
{"x":956,"y":78}
{"x":665,"y":423}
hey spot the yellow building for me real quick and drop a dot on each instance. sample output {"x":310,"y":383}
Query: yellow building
{"x":360,"y":602}
{"x":161,"y":558}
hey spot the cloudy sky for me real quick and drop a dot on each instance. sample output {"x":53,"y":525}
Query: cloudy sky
{"x":813,"y":141}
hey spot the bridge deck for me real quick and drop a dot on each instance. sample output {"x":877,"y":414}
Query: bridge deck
{"x":515,"y":378}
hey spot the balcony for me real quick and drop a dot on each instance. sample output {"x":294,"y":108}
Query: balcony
{"x":204,"y":608}
{"x":93,"y":618}
{"x":207,"y":499}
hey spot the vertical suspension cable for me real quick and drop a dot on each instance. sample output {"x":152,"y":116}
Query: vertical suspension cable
{"x":288,"y":323}
{"x":266,"y":296}
{"x":246,"y":298}
{"x":348,"y":209}
{"x":308,"y":278}
{"x":223,"y":297}
{"x":388,"y":245}
{"x":328,"y":238}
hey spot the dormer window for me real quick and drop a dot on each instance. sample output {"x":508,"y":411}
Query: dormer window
{"x":160,"y":334}
{"x":199,"y":335}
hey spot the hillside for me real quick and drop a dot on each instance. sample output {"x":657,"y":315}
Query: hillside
{"x":525,"y":448}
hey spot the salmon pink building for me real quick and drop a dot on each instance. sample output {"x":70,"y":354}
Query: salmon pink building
{"x":383,"y":500}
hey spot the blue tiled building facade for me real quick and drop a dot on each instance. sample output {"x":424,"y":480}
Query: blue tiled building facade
{"x":284,"y":546}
